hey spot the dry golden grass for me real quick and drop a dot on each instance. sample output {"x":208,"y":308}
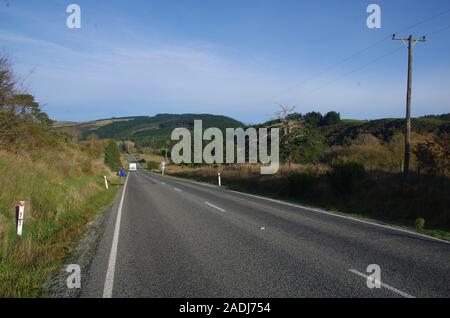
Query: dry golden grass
{"x":61,"y":198}
{"x":150,"y":157}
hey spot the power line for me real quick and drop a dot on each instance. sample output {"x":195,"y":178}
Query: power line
{"x":377,"y":59}
{"x":425,"y":21}
{"x":353,"y":71}
{"x":437,"y":31}
{"x":326,"y":70}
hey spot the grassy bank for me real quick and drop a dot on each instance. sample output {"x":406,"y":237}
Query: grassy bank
{"x":63,"y":190}
{"x":389,"y":198}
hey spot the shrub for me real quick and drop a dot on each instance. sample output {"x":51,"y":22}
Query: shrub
{"x":112,"y":155}
{"x":331,"y":118}
{"x":434,"y":156}
{"x":420,"y":224}
{"x":346,"y":175}
{"x":152,"y":165}
{"x":300,"y":182}
{"x":86,"y":166}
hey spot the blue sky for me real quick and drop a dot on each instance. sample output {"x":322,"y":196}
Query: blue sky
{"x":234,"y":57}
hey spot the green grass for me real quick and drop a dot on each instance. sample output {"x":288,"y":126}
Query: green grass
{"x":28,"y":261}
{"x":353,"y":121}
{"x":61,"y":200}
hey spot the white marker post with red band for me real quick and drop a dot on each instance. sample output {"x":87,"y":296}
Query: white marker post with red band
{"x":20,"y":216}
{"x":220,"y":181}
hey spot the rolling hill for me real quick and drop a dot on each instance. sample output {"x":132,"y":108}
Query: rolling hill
{"x":145,"y":130}
{"x":383,"y":129}
{"x":155,"y":131}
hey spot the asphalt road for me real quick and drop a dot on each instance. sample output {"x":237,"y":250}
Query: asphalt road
{"x":176,"y":238}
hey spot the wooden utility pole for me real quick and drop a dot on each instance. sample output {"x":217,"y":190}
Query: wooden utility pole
{"x":409,"y":42}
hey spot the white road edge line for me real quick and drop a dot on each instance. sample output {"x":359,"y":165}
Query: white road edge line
{"x":316,"y":210}
{"x":215,"y":207}
{"x":395,"y":290}
{"x":109,"y":280}
{"x":342,"y":216}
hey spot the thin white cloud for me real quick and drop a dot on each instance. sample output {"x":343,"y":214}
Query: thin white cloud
{"x":152,"y":77}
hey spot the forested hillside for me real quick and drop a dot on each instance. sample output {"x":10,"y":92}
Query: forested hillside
{"x":146,"y":131}
{"x":384,"y":129}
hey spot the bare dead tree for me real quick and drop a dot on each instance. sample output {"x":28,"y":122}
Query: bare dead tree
{"x":291,"y":128}
{"x":283,"y":116}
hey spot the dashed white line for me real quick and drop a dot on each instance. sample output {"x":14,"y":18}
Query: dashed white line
{"x":176,"y":189}
{"x":395,"y":290}
{"x":109,"y":280}
{"x":215,"y":207}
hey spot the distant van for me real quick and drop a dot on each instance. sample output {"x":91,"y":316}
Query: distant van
{"x":133,"y":167}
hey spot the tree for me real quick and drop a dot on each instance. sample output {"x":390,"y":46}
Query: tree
{"x":112,"y":155}
{"x":308,"y":146}
{"x":331,"y":118}
{"x":22,"y":122}
{"x":291,"y":131}
{"x":314,"y":119}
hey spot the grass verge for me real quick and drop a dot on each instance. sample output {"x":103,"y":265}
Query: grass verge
{"x":62,"y":197}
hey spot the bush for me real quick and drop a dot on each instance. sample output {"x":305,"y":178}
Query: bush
{"x":420,"y":224}
{"x":299,"y":183}
{"x":433,"y":156}
{"x":112,"y":156}
{"x":346,"y":175}
{"x":331,"y":118}
{"x":86,"y":166}
{"x":152,"y":165}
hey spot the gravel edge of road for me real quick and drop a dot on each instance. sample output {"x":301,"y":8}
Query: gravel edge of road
{"x":82,"y":255}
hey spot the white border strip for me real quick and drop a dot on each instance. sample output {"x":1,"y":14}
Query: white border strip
{"x":392,"y":289}
{"x":310,"y":209}
{"x":343,"y":216}
{"x":109,"y":280}
{"x":215,"y":207}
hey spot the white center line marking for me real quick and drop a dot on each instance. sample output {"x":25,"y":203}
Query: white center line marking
{"x":109,"y":280}
{"x":215,"y":207}
{"x":176,"y":189}
{"x":395,"y":290}
{"x":163,"y":183}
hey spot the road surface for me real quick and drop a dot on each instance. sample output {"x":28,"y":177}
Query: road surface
{"x":173,"y":238}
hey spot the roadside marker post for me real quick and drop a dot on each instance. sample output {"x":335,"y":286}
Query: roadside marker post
{"x":106,"y":183}
{"x":20,"y":216}
{"x":220,"y":181}
{"x":163,"y":167}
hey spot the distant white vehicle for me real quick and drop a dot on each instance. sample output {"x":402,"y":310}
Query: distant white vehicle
{"x":133,"y":167}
